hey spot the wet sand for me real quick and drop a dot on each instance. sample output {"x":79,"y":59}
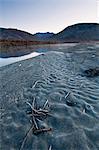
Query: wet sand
{"x":73,"y":101}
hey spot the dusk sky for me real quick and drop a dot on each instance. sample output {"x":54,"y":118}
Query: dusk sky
{"x":47,"y":15}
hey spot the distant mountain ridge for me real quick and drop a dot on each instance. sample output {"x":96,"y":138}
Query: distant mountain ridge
{"x":74,"y":33}
{"x":43,"y":36}
{"x":79,"y":32}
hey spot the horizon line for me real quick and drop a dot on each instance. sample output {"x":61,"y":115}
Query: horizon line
{"x":49,"y":31}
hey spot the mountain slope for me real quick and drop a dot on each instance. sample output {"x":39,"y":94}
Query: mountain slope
{"x":79,"y":32}
{"x":14,"y":34}
{"x":75,"y":33}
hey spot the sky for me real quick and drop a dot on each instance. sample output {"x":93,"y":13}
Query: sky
{"x":47,"y":15}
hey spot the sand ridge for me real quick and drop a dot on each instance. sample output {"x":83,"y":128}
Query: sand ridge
{"x":73,"y":102}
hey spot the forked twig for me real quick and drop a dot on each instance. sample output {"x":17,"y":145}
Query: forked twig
{"x":39,"y":112}
{"x":35,"y":114}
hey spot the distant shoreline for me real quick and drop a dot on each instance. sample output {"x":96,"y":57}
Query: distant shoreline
{"x":8,"y":43}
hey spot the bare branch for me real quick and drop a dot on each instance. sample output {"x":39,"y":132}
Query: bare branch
{"x":42,"y":130}
{"x":50,"y":148}
{"x":45,"y":104}
{"x":35,"y":111}
{"x":67,"y":95}
{"x":36,"y":126}
{"x":35,"y":83}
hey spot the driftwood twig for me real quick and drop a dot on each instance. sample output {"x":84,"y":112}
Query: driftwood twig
{"x":35,"y":83}
{"x":42,"y":130}
{"x":67,"y":95}
{"x":46,"y":103}
{"x":50,"y":148}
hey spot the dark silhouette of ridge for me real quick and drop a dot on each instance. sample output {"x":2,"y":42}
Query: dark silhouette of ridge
{"x":78,"y":32}
{"x":15,"y":34}
{"x":43,"y":36}
{"x":74,"y":33}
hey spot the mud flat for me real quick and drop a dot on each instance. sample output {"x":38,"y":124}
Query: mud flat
{"x":54,"y":79}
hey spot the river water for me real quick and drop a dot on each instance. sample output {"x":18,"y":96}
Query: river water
{"x":15,"y":54}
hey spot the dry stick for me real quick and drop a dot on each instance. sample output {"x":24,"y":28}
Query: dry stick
{"x":39,"y":112}
{"x":33,"y":115}
{"x":39,"y":115}
{"x":38,"y":131}
{"x":34,"y":121}
{"x":36,"y":111}
{"x":67,"y":95}
{"x":33,"y":103}
{"x":36,"y":115}
{"x":50,"y":148}
{"x":22,"y":145}
{"x":35,"y":83}
{"x":45,"y":104}
{"x":43,"y":111}
{"x":83,"y":111}
{"x":33,"y":118}
{"x":29,"y":105}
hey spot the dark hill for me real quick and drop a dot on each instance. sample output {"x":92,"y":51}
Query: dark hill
{"x":14,"y":34}
{"x":78,"y":32}
{"x":75,"y":33}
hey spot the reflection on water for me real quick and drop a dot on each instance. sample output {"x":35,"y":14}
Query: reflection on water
{"x":17,"y":51}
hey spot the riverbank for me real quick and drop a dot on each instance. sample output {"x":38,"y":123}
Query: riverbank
{"x":73,"y":102}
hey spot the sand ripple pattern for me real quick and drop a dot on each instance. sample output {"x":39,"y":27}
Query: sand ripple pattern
{"x":73,"y":101}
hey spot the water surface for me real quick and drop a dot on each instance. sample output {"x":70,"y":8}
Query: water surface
{"x":15,"y":54}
